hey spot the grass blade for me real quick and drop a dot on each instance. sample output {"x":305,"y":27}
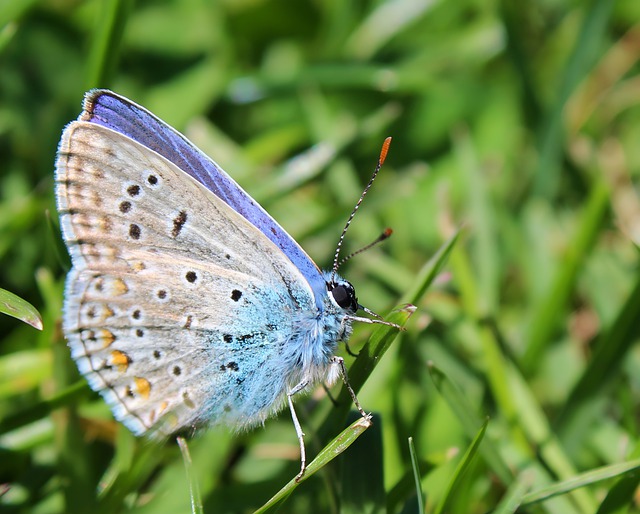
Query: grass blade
{"x":416,"y":476}
{"x":194,"y":488}
{"x":461,"y":468}
{"x":582,"y":480}
{"x":345,"y":439}
{"x":18,"y":308}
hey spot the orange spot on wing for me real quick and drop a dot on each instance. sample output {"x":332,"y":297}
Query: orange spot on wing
{"x":119,"y":287}
{"x":121,"y":360}
{"x":143,"y":386}
{"x":107,"y":338}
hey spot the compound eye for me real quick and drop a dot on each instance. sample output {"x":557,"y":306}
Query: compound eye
{"x":345,"y":296}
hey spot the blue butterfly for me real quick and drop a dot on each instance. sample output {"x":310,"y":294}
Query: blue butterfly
{"x":187,"y":304}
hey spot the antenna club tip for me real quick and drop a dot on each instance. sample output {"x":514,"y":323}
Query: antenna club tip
{"x":385,"y":149}
{"x":387,"y":232}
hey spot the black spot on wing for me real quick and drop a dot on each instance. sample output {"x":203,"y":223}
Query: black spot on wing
{"x":134,"y":231}
{"x":178,"y":223}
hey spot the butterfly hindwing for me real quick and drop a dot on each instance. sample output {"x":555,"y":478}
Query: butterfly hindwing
{"x":169,"y":282}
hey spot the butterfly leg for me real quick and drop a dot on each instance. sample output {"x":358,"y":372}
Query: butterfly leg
{"x":339,"y":361}
{"x":296,"y":424}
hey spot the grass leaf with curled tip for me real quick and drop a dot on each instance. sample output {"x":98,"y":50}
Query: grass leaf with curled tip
{"x":15,"y":306}
{"x":338,"y":445}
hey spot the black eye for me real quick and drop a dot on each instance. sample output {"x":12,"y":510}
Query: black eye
{"x":344,"y":295}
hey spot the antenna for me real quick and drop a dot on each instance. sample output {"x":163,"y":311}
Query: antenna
{"x":384,"y":235}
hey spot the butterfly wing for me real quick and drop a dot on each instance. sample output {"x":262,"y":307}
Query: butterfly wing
{"x":175,"y":300}
{"x":105,"y":108}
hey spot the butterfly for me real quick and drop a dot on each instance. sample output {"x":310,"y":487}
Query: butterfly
{"x":187,"y":304}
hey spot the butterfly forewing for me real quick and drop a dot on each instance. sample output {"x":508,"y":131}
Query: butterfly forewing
{"x":108,"y":109}
{"x":168,"y":281}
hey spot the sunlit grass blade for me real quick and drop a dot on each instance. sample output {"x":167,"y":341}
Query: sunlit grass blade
{"x":194,"y":488}
{"x":461,"y":469}
{"x":345,"y":439}
{"x":581,"y":480}
{"x":623,"y":492}
{"x":14,"y":306}
{"x":512,"y":499}
{"x":382,"y":24}
{"x":406,"y":486}
{"x":416,"y":475}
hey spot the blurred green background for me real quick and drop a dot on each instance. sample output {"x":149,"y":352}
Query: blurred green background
{"x":518,"y":121}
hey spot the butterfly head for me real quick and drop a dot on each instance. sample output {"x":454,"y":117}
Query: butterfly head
{"x":343,"y":294}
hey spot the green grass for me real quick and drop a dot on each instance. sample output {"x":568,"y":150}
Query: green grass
{"x":511,"y":185}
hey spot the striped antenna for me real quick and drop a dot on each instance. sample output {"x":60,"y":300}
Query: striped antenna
{"x":385,"y":234}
